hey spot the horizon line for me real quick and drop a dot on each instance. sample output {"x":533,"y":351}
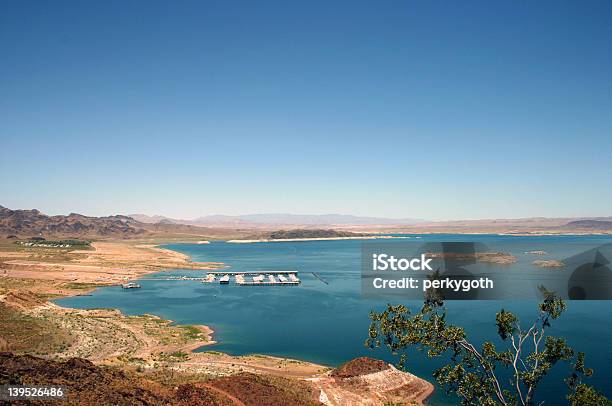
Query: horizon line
{"x":414,"y":219}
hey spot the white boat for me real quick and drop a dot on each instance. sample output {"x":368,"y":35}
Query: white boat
{"x":130,"y":285}
{"x":224,"y":280}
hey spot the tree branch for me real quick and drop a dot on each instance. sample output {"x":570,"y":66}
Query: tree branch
{"x":470,"y":348}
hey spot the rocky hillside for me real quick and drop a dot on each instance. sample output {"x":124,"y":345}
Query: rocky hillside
{"x":32,"y":223}
{"x":366,"y":381}
{"x":590,"y":224}
{"x":89,"y":384}
{"x":27,"y":223}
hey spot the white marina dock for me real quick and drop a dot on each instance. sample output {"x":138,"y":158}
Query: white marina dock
{"x":263,"y":278}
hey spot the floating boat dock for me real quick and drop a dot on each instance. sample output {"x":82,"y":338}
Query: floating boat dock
{"x":261,"y":278}
{"x":264,"y":278}
{"x":251,"y":273}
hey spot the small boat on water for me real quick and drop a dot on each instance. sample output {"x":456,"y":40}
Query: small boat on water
{"x":224,"y":280}
{"x":130,"y":285}
{"x":282,"y":278}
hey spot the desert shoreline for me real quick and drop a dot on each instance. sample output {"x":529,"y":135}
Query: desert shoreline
{"x":367,"y":237}
{"x":378,"y":235}
{"x":29,"y":285}
{"x":149,"y":342}
{"x":27,"y":303}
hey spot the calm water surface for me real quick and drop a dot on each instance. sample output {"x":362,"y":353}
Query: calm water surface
{"x":328,"y":323}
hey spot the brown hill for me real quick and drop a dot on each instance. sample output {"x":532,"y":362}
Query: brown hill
{"x":359,"y":366}
{"x":88,"y":384}
{"x":366,"y":381}
{"x":25,"y":223}
{"x":308,"y":233}
{"x":590,"y":224}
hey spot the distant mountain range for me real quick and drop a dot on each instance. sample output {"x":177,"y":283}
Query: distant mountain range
{"x":278,"y":219}
{"x":29,"y":223}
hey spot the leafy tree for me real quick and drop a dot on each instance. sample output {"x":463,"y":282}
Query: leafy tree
{"x":473,"y":373}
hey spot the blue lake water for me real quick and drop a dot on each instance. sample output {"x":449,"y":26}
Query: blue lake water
{"x":328,"y":323}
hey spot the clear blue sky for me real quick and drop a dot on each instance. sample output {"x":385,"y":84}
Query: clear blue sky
{"x":425,"y":109}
